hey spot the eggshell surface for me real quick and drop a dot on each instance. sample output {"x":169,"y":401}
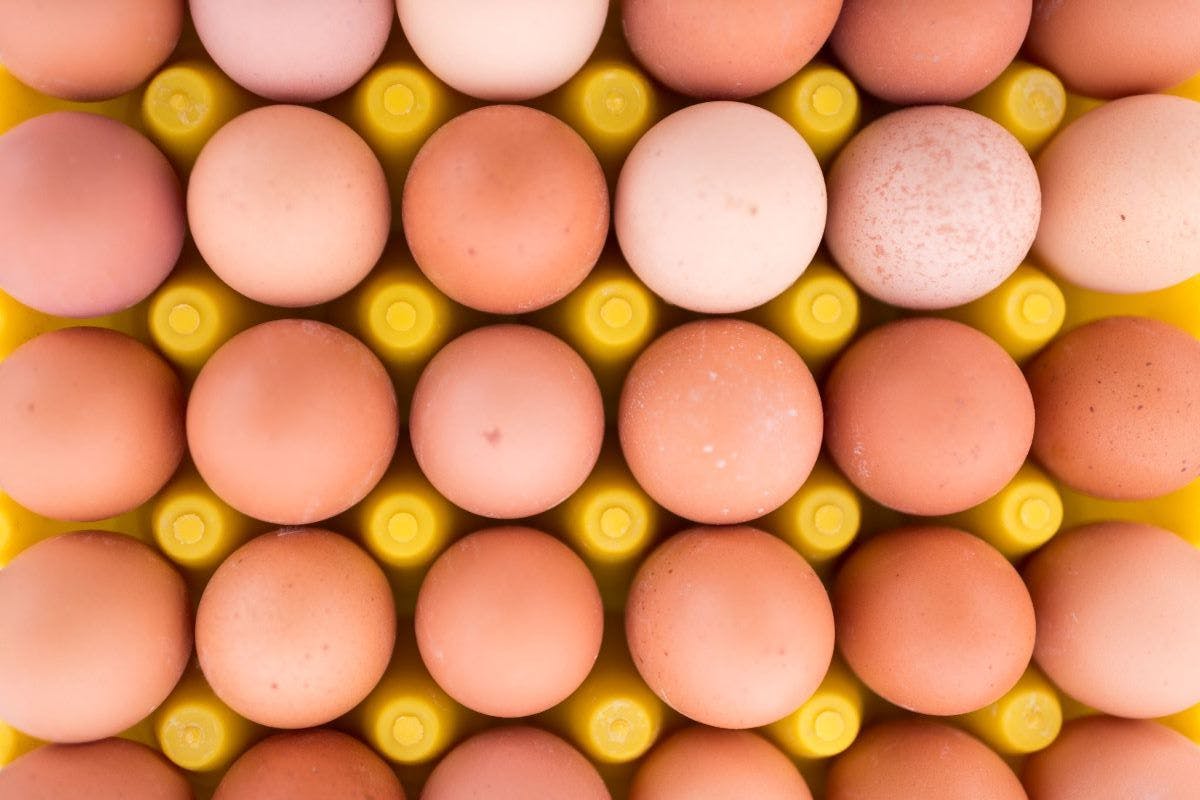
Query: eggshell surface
{"x":720,"y":207}
{"x":720,"y":421}
{"x":509,"y":621}
{"x":928,"y":416}
{"x":295,"y":628}
{"x":932,"y":207}
{"x":1118,"y":617}
{"x":96,"y":630}
{"x":112,"y":769}
{"x":705,"y":764}
{"x":729,"y":626}
{"x":1119,"y":196}
{"x":91,"y":214}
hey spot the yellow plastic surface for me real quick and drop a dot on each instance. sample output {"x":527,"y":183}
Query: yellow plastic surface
{"x":828,"y":722}
{"x":1077,"y":106}
{"x":1029,"y":101}
{"x":18,"y":103}
{"x":197,"y":731}
{"x":1020,"y":518}
{"x":818,"y":315}
{"x":1026,"y":719}
{"x":21,"y":528}
{"x":185,"y":104}
{"x":1022,"y":314}
{"x":1177,"y":305}
{"x":19,"y":323}
{"x":1186,"y":722}
{"x":822,"y":104}
{"x":195,"y":528}
{"x":1189,"y":88}
{"x":610,"y":104}
{"x":14,"y":744}
{"x":1178,"y":511}
{"x":822,"y":519}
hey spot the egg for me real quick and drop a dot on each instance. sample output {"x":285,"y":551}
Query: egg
{"x":96,"y":630}
{"x":1118,"y":408}
{"x":928,"y":51}
{"x":928,"y":416}
{"x":705,"y":764}
{"x":295,"y":627}
{"x":517,"y":763}
{"x":509,"y":621}
{"x":112,"y":769}
{"x":515,"y":50}
{"x":729,"y":626}
{"x":293,"y":51}
{"x":87,"y":51}
{"x":906,"y":759}
{"x":506,"y":421}
{"x":933,"y":619}
{"x":91,"y":424}
{"x":505,"y":209}
{"x":1101,"y":758}
{"x":289,"y":206}
{"x":1118,"y":617}
{"x":1108,"y":48}
{"x":309,"y":765}
{"x":91,"y":214}
{"x":292,"y":421}
{"x":729,"y":48}
{"x":932,"y":207}
{"x":720,"y":207}
{"x":1119,"y":201}
{"x":720,"y":421}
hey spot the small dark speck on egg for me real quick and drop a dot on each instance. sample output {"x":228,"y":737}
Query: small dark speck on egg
{"x":1092,"y":409}
{"x":274,"y":685}
{"x":493,"y":436}
{"x":1122,"y":218}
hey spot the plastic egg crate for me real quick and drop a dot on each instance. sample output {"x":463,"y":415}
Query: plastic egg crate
{"x":613,"y":718}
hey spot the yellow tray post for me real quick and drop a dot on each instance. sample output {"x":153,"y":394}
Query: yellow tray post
{"x":195,"y":528}
{"x":1028,"y":101}
{"x":198,"y":732}
{"x":1026,"y":719}
{"x":1020,"y":518}
{"x":185,"y":104}
{"x":1022,"y":314}
{"x":827,"y":723}
{"x":822,"y":104}
{"x":822,"y":519}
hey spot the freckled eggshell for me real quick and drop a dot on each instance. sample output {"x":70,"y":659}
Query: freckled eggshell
{"x":729,"y":626}
{"x":509,"y":621}
{"x":1102,"y":758}
{"x":505,"y":209}
{"x":1120,"y":210}
{"x":506,"y":421}
{"x":289,"y":206}
{"x":96,"y":630}
{"x":1112,"y":48}
{"x":720,"y":421}
{"x":292,"y":421}
{"x":726,"y":48}
{"x":1118,"y":408}
{"x":91,"y":424}
{"x":933,"y":620}
{"x":87,"y":51}
{"x":1118,"y":617}
{"x":514,"y":763}
{"x":928,"y":416}
{"x":928,"y":51}
{"x":907,"y":759}
{"x":932,"y":207}
{"x":112,"y":769}
{"x":515,"y":50}
{"x":309,"y":765}
{"x":295,"y":628}
{"x":294,"y":51}
{"x":91,"y":214}
{"x":720,"y":207}
{"x":706,"y":764}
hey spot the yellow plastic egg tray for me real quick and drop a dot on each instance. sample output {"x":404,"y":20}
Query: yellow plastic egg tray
{"x":613,"y":718}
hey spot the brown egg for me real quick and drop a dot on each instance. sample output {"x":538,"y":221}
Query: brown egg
{"x":706,"y":764}
{"x":509,"y":621}
{"x":1118,"y":617}
{"x":507,"y":421}
{"x":928,"y":51}
{"x":87,"y":51}
{"x":514,"y":764}
{"x":726,"y":48}
{"x":1119,"y":200}
{"x":309,"y":765}
{"x":729,"y":626}
{"x":908,"y":759}
{"x":1102,"y":758}
{"x":112,"y":769}
{"x":1110,"y":48}
{"x":289,"y":206}
{"x":932,"y":207}
{"x":928,"y":416}
{"x":96,"y":631}
{"x":91,"y":424}
{"x":720,"y":421}
{"x":295,"y":627}
{"x":505,"y":209}
{"x":91,"y":213}
{"x":934,"y":620}
{"x":1118,"y":408}
{"x":292,"y":421}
